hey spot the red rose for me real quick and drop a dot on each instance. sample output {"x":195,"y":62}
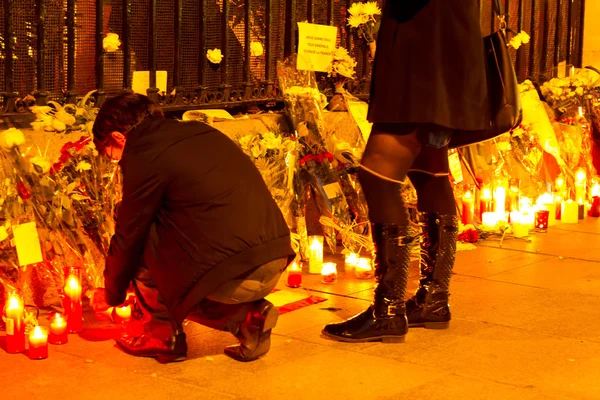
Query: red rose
{"x":469,"y":236}
{"x":23,"y":190}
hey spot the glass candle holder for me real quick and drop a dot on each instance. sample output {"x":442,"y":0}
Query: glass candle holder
{"x":329,"y":273}
{"x":315,"y":254}
{"x":468,"y":205}
{"x":38,"y":343}
{"x":14,"y":313}
{"x":294,"y":278}
{"x":364,"y":269}
{"x":350,"y":261}
{"x":72,"y":300}
{"x":542,"y":220}
{"x":514,"y":192}
{"x":123,"y":313}
{"x":58,"y":329}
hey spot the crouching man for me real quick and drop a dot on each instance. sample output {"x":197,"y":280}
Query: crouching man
{"x":197,"y":232}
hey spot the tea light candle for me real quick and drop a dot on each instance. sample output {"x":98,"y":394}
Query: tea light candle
{"x":315,"y":254}
{"x":570,"y":212}
{"x":546,"y":202}
{"x":520,"y":225}
{"x":580,"y":183}
{"x":363,"y":269}
{"x":38,"y":343}
{"x":15,"y":325}
{"x":541,"y":220}
{"x":72,"y":301}
{"x":294,"y":279}
{"x":489,"y":220}
{"x":124,"y":313}
{"x":468,"y":207}
{"x":329,"y":272}
{"x":58,"y":330}
{"x":350,"y":261}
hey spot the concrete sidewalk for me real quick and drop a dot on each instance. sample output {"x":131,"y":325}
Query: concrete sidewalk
{"x":526,"y":326}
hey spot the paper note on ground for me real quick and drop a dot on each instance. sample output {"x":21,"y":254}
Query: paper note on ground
{"x":197,"y":115}
{"x":316,"y":45}
{"x":358,"y":110}
{"x":141,"y":81}
{"x":283,"y":297}
{"x":27,"y":242}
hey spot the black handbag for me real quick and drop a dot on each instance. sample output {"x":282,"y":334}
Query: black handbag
{"x":506,"y":111}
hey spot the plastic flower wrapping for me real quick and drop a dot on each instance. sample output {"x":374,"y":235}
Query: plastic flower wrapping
{"x":70,"y":194}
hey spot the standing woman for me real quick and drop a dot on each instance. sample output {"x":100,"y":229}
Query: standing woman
{"x":429,"y":83}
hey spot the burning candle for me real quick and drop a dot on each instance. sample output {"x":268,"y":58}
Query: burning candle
{"x":72,"y":301}
{"x":124,"y":313}
{"x":294,"y":279}
{"x":558,"y":205}
{"x":595,"y":208}
{"x":570,"y":212}
{"x":350,"y":261}
{"x":485,"y":204}
{"x":541,"y":220}
{"x":329,"y":272}
{"x":15,"y":325}
{"x":363,"y":269}
{"x":514,"y":190}
{"x":500,"y":200}
{"x":468,"y":207}
{"x":580,"y":183}
{"x":489,"y":220}
{"x":520,"y":224}
{"x":546,"y":202}
{"x":315,"y":254}
{"x":38,"y":343}
{"x":58,"y":330}
{"x":560,"y":187}
{"x":595,"y":191}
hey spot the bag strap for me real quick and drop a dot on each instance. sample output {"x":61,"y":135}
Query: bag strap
{"x":499,"y":10}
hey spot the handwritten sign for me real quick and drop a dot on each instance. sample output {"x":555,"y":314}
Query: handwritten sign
{"x":315,"y":46}
{"x":141,"y":81}
{"x":27,"y":243}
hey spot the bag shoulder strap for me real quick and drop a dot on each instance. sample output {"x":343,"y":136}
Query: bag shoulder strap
{"x":498,"y":8}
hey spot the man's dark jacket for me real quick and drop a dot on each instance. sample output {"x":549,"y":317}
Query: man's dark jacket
{"x":195,"y":210}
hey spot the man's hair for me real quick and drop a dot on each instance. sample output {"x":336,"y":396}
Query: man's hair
{"x":121,"y":114}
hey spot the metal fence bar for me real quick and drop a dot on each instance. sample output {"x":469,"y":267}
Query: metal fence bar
{"x":41,"y":95}
{"x":545,"y":37}
{"x":290,"y":28}
{"x":126,"y":44}
{"x":202,"y":45}
{"x":268,"y":45}
{"x":520,"y":59}
{"x":579,"y":55}
{"x":247,"y":5}
{"x":71,"y":91}
{"x":330,"y":12}
{"x":152,"y":90}
{"x":310,"y":11}
{"x":178,"y":51}
{"x":534,"y":34}
{"x":569,"y":32}
{"x":557,"y":42}
{"x":100,"y":50}
{"x":225,"y":42}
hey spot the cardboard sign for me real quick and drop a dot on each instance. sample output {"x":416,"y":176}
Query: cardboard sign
{"x":359,"y":110}
{"x":141,"y":81}
{"x":27,"y":242}
{"x":455,"y":167}
{"x":316,"y":45}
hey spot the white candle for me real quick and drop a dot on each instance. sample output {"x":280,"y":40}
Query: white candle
{"x":570,"y":212}
{"x":520,"y":224}
{"x":595,"y":190}
{"x":350,"y":261}
{"x":315,"y":254}
{"x":329,"y":272}
{"x":580,"y":181}
{"x":363,"y":269}
{"x":489,"y":220}
{"x":500,"y":200}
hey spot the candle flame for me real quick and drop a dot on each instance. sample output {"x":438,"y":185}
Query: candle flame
{"x":329,"y":268}
{"x":295,"y":267}
{"x":580,"y":111}
{"x":364,"y":264}
{"x":596,"y":190}
{"x":468,"y":195}
{"x":14,"y":303}
{"x":560,"y":182}
{"x":580,"y":175}
{"x":38,"y":333}
{"x":487,"y":194}
{"x":58,"y":319}
{"x":315,"y":244}
{"x":546,"y":198}
{"x":352,"y":258}
{"x":73,"y":284}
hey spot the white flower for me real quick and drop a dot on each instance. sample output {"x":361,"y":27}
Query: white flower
{"x":245,"y":141}
{"x":65,"y":117}
{"x":42,"y":164}
{"x":37,"y":125}
{"x":83,"y":166}
{"x":356,"y":9}
{"x":111,"y":42}
{"x":271,"y":141}
{"x":12,"y":137}
{"x":371,"y":8}
{"x":256,"y":151}
{"x":515,"y":42}
{"x":256,"y":49}
{"x":356,"y":20}
{"x":40,"y":111}
{"x":214,"y":56}
{"x":58,"y":125}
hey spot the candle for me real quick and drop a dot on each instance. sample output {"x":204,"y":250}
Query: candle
{"x":315,"y":254}
{"x":485,"y":205}
{"x":15,"y":325}
{"x":350,"y":261}
{"x":580,"y":182}
{"x":595,"y":208}
{"x":72,"y":301}
{"x":500,"y":200}
{"x":294,"y":279}
{"x":541,"y":220}
{"x":38,"y":343}
{"x":558,"y":205}
{"x":546,"y":202}
{"x":580,"y":111}
{"x":513,"y":194}
{"x":329,"y":272}
{"x":520,"y":224}
{"x":58,"y":330}
{"x":364,"y":270}
{"x":572,"y":70}
{"x":570,"y":212}
{"x":560,"y":187}
{"x":595,"y":192}
{"x":468,"y":207}
{"x":489,"y":220}
{"x":124,"y":313}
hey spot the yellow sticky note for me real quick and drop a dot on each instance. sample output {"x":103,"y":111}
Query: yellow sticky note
{"x":27,"y":242}
{"x":141,"y":81}
{"x":316,"y":45}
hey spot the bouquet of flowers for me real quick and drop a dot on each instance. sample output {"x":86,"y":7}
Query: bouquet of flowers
{"x":361,"y":16}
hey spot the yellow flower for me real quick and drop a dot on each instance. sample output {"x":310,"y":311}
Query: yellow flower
{"x":356,"y":20}
{"x":245,"y":141}
{"x":579,"y":91}
{"x":42,"y":164}
{"x":65,"y":117}
{"x":256,"y":151}
{"x":356,"y":9}
{"x":214,"y":56}
{"x":111,"y":42}
{"x":37,"y":125}
{"x":83,"y":166}
{"x":340,"y":54}
{"x":271,"y":141}
{"x":371,"y":8}
{"x":515,"y":42}
{"x":40,"y":111}
{"x":12,"y":137}
{"x":58,"y":125}
{"x":524,"y":37}
{"x":256,"y":49}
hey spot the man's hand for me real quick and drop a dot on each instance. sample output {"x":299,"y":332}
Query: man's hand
{"x":98,"y":300}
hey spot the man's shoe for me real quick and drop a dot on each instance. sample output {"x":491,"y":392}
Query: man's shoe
{"x":173,"y":349}
{"x":254,"y":333}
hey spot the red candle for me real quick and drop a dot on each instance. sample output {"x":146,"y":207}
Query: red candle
{"x":294,"y":279}
{"x":485,"y":204}
{"x":38,"y":343}
{"x":595,"y":210}
{"x":58,"y":330}
{"x":468,"y":210}
{"x":541,"y":220}
{"x":72,"y":301}
{"x":15,"y":324}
